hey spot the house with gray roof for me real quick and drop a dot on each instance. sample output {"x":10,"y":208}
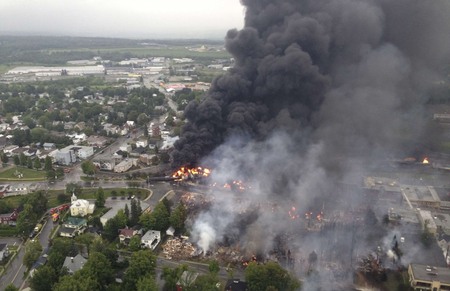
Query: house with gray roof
{"x":74,"y":264}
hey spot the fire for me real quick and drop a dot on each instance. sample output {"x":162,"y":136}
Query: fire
{"x":293,"y":213}
{"x":425,"y":161}
{"x":235,"y":185}
{"x":191,"y":173}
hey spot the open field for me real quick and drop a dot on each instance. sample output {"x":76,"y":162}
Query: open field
{"x":11,"y":174}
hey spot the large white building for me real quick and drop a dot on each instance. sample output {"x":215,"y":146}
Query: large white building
{"x":81,"y":207}
{"x":57,"y":71}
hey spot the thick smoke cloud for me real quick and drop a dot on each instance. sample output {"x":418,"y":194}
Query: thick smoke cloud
{"x":319,"y":90}
{"x":342,"y":68}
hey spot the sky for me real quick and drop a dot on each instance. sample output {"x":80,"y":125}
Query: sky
{"x":122,"y":18}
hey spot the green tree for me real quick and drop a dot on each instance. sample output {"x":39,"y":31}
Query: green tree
{"x":55,"y":261}
{"x":76,"y":282}
{"x":171,"y":276}
{"x":73,"y":188}
{"x":214,"y":267}
{"x":32,"y":252}
{"x":11,"y":287}
{"x":178,"y":217}
{"x":261,"y":276}
{"x":43,"y":279}
{"x":135,"y":244}
{"x":158,"y":219}
{"x":99,"y":268}
{"x":16,"y":160}
{"x":37,"y":164}
{"x":51,"y":175}
{"x":127,"y":211}
{"x":136,"y":211}
{"x":88,"y":168}
{"x":4,"y":158}
{"x":29,"y":163}
{"x":48,"y":165}
{"x":23,"y":159}
{"x":26,"y":221}
{"x":142,"y":264}
{"x":142,"y":119}
{"x":147,"y":284}
{"x":206,"y":282}
{"x":100,"y":198}
{"x":112,"y":226}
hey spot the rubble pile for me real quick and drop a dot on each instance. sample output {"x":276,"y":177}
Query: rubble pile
{"x":194,"y":201}
{"x":177,"y":248}
{"x":228,"y":254}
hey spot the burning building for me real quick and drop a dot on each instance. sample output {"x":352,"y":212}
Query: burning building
{"x":319,"y":91}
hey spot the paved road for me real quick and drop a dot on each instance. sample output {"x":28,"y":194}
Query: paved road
{"x":16,"y":270}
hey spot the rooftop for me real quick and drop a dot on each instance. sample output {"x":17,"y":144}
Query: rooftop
{"x":74,"y":264}
{"x":430,"y":273}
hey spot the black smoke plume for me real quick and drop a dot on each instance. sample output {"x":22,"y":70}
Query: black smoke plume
{"x":351,"y":71}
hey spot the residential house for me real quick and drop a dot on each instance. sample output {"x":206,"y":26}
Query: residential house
{"x":125,"y":148}
{"x":125,"y":165}
{"x":78,"y":138}
{"x":142,"y":143}
{"x":48,"y":146}
{"x":9,"y":218}
{"x":105,"y":165}
{"x":130,"y":124}
{"x":5,"y":188}
{"x":96,"y":141}
{"x":151,"y":239}
{"x":69,"y":125}
{"x":4,"y":252}
{"x":137,"y":152}
{"x":84,"y":152}
{"x":3,"y":127}
{"x":8,"y":150}
{"x":146,"y":159}
{"x":126,"y":234}
{"x":80,"y":126}
{"x":123,"y":130}
{"x":110,"y":128}
{"x":74,"y":264}
{"x":73,"y":226}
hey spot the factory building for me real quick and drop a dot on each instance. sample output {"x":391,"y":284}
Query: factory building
{"x":58,"y":71}
{"x":428,"y":278}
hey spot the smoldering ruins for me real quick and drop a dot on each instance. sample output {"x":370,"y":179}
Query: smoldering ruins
{"x":320,"y":93}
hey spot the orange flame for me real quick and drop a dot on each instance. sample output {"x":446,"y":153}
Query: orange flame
{"x":425,"y":161}
{"x":185,"y":173}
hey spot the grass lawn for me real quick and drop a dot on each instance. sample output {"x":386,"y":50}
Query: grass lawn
{"x":10,"y":174}
{"x":87,"y":193}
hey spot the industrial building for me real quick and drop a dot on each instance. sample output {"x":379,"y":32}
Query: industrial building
{"x":58,"y":71}
{"x":423,"y":277}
